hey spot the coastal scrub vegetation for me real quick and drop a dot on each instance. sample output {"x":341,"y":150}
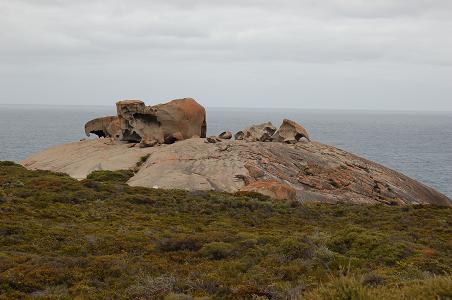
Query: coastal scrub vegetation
{"x":111,"y":176}
{"x":99,"y":238}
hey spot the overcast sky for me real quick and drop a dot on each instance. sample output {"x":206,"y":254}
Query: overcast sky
{"x":350,"y":54}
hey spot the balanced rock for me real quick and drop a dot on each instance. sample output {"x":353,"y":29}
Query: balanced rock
{"x":151,"y":125}
{"x":290,"y":132}
{"x":262,"y":133}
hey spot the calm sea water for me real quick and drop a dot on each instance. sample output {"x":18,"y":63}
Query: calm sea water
{"x":417,"y":144}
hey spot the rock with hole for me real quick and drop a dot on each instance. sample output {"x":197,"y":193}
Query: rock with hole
{"x":290,"y":132}
{"x":166,"y":123}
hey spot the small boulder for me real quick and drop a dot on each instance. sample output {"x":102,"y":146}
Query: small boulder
{"x":148,"y":143}
{"x":272,"y":188}
{"x":213,"y":139}
{"x":262,"y":133}
{"x":226,"y":135}
{"x":290,"y":132}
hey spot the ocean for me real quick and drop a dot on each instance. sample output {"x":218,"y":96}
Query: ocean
{"x":418,"y":144}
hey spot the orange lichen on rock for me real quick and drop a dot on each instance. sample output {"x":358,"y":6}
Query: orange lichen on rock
{"x":272,"y":188}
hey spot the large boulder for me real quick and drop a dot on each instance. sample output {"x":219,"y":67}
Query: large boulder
{"x":151,"y":125}
{"x":290,"y":132}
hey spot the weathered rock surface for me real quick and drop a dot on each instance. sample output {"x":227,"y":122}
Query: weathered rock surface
{"x":316,"y":172}
{"x":272,"y":188}
{"x":104,"y":127}
{"x":290,"y":132}
{"x":261,"y":132}
{"x":78,"y":159}
{"x":151,"y":125}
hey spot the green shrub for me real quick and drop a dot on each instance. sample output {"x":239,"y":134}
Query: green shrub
{"x":298,"y":246}
{"x":343,"y":288}
{"x":253,"y":195}
{"x":173,"y":296}
{"x":3,"y":197}
{"x":142,"y":160}
{"x":365,"y":243}
{"x":120,"y":176}
{"x":217,"y":250}
{"x":189,"y":243}
{"x":149,"y":287}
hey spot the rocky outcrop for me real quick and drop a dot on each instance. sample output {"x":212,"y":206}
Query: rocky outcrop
{"x":151,"y":125}
{"x":78,"y":159}
{"x":316,"y":172}
{"x":290,"y":132}
{"x":104,"y":127}
{"x":262,"y":133}
{"x":276,"y":163}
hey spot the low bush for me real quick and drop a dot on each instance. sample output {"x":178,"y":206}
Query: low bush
{"x":2,"y":196}
{"x":142,"y":160}
{"x":120,"y":176}
{"x":217,"y":250}
{"x":350,"y":287}
{"x":101,"y":239}
{"x":189,"y":243}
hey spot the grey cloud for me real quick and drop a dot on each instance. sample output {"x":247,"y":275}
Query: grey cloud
{"x":283,"y":37}
{"x":227,"y":30}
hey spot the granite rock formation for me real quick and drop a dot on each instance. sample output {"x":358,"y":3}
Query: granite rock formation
{"x":305,"y":171}
{"x":151,"y":125}
{"x":261,"y":132}
{"x":277,"y":163}
{"x":104,"y":127}
{"x":290,"y":132}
